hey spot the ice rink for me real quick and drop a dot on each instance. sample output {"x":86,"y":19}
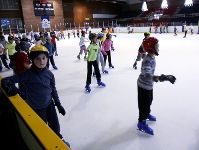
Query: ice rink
{"x":106,"y":118}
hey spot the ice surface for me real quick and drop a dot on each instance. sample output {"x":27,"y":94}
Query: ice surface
{"x":106,"y":118}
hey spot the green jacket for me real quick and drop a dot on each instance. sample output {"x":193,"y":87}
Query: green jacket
{"x":92,"y":51}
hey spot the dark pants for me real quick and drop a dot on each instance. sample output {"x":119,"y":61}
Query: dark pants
{"x":62,"y":36}
{"x":109,"y":58}
{"x":89,"y":71}
{"x":160,"y":30}
{"x":3,"y":59}
{"x":145,"y":98}
{"x":185,"y":33}
{"x":22,"y":91}
{"x":191,"y":31}
{"x":49,"y":116}
{"x":51,"y":61}
{"x":10,"y":56}
{"x":55,"y":48}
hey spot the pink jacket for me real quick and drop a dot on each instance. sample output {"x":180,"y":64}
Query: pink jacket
{"x":107,"y":46}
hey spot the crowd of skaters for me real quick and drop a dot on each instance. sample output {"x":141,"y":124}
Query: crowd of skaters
{"x":44,"y":50}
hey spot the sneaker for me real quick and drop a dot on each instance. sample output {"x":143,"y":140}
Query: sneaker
{"x":111,"y":66}
{"x":151,"y":118}
{"x":66,"y":143}
{"x":55,"y":67}
{"x":105,"y":71}
{"x":56,"y":54}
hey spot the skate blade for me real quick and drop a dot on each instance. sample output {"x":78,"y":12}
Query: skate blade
{"x":88,"y":91}
{"x":145,"y":132}
{"x":101,"y":85}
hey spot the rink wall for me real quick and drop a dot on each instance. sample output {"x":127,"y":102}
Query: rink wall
{"x":138,"y":30}
{"x":145,"y":29}
{"x":30,"y":129}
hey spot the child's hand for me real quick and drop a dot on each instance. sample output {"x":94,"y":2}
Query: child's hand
{"x":61,"y":109}
{"x":104,"y":53}
{"x":11,"y":90}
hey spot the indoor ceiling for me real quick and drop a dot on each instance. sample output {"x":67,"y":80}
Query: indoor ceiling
{"x":124,"y":1}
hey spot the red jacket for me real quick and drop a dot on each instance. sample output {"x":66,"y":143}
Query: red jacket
{"x":21,"y":58}
{"x":53,"y":39}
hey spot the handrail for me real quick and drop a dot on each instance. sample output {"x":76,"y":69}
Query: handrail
{"x":47,"y":138}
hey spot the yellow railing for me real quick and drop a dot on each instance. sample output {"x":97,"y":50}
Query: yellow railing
{"x":35,"y":132}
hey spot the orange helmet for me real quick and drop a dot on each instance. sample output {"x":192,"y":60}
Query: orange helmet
{"x":150,"y":45}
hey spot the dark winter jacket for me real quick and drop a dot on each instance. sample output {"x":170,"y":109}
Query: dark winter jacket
{"x":40,"y":85}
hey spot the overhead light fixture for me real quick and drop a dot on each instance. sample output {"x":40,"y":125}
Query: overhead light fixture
{"x":164,"y":4}
{"x":188,"y":3}
{"x":144,"y":6}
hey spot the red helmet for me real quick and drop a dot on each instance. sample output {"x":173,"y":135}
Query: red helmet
{"x":103,"y":28}
{"x":150,"y":45}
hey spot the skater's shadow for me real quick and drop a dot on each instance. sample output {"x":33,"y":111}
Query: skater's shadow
{"x":81,"y":105}
{"x":113,"y":138}
{"x":195,"y":145}
{"x":77,"y":61}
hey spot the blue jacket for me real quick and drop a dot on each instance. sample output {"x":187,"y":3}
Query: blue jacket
{"x":50,"y":47}
{"x":40,"y":86}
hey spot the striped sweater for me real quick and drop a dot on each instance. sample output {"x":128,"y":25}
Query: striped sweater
{"x":146,"y":76}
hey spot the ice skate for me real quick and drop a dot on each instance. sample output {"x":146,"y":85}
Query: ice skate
{"x":78,"y":57}
{"x":55,"y":67}
{"x":88,"y":89}
{"x":151,"y":118}
{"x":135,"y":65}
{"x":66,"y":143}
{"x":85,"y":58}
{"x":111,"y":66}
{"x":142,"y":126}
{"x":101,"y":84}
{"x":8,"y":67}
{"x":105,"y":72}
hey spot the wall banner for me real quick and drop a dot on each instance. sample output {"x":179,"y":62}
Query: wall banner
{"x":45,"y":21}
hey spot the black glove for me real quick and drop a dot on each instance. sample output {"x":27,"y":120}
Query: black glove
{"x":170,"y":78}
{"x":11,"y":90}
{"x":60,"y":108}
